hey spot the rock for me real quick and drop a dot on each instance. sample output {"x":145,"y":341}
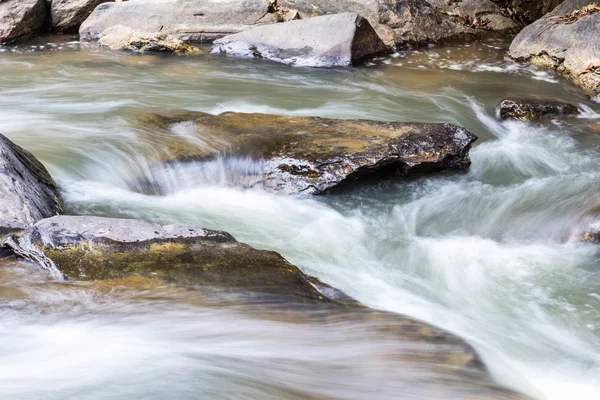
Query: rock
{"x":21,"y":19}
{"x":338,"y":40}
{"x":404,"y":23}
{"x":67,"y":15}
{"x":527,"y":11}
{"x":587,"y":229}
{"x":190,"y":20}
{"x":485,"y":15}
{"x":95,"y":248}
{"x":534,"y":110}
{"x":568,"y":41}
{"x":313,"y":155}
{"x":27,"y":192}
{"x":119,"y":37}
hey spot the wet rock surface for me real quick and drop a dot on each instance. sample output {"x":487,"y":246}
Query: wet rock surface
{"x":67,"y":15}
{"x":27,"y":192}
{"x":566,"y":40}
{"x":312,"y":155}
{"x":21,"y":19}
{"x":338,"y":40}
{"x":193,"y":20}
{"x":119,"y":37}
{"x":534,"y":110}
{"x":96,"y":248}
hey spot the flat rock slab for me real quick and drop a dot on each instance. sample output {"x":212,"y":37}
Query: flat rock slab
{"x":21,"y":19}
{"x":312,"y":155}
{"x":534,"y":110}
{"x":27,"y":192}
{"x":192,"y":19}
{"x":566,"y":40}
{"x":337,"y":40}
{"x":96,"y":248}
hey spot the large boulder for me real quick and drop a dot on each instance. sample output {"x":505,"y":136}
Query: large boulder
{"x":120,"y":37}
{"x":311,"y":155}
{"x":27,"y":192}
{"x":94,"y":248}
{"x":67,"y":15}
{"x":485,"y":15}
{"x":405,"y":23}
{"x":534,"y":110}
{"x":337,"y":40}
{"x":198,"y":20}
{"x":568,"y":41}
{"x":21,"y":19}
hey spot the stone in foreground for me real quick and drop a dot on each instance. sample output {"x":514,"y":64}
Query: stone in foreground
{"x":27,"y":192}
{"x":21,"y":19}
{"x":338,"y":40}
{"x":93,"y":248}
{"x":534,"y":110}
{"x":568,"y":41}
{"x":120,"y":37}
{"x":312,"y":155}
{"x":198,"y":20}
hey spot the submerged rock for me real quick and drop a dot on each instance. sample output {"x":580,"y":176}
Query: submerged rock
{"x":313,"y":155}
{"x":27,"y":192}
{"x":67,"y":15}
{"x":119,"y":37}
{"x":568,"y":41}
{"x":329,"y":41}
{"x":534,"y":110}
{"x":93,"y":248}
{"x":198,"y":20}
{"x":21,"y":19}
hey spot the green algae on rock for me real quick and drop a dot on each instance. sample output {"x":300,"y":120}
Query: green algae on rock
{"x":313,"y":155}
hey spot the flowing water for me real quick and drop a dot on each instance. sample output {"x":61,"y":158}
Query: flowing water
{"x":485,"y":254}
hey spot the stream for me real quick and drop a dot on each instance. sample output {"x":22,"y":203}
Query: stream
{"x":483,"y":254}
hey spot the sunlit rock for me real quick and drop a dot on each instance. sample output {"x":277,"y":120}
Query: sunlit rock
{"x":200,"y":20}
{"x":119,"y":37}
{"x":566,"y":40}
{"x":534,"y":110}
{"x":21,"y":19}
{"x":312,"y":155}
{"x":337,"y":40}
{"x":27,"y":192}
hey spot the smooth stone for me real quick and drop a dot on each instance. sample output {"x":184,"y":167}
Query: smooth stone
{"x":198,"y":20}
{"x":572,"y":49}
{"x":21,"y":19}
{"x":338,"y":40}
{"x":311,"y":155}
{"x":534,"y":110}
{"x":67,"y":15}
{"x":27,"y":191}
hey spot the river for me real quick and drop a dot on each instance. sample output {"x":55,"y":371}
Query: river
{"x":484,"y":254}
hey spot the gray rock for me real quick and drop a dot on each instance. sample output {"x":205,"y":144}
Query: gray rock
{"x":201,"y":20}
{"x":21,"y":19}
{"x":313,"y":155}
{"x":337,"y":40}
{"x":568,"y":41}
{"x":534,"y":110}
{"x":67,"y":15}
{"x":119,"y":37}
{"x":528,"y":11}
{"x":27,"y":192}
{"x":93,"y":248}
{"x":405,"y":23}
